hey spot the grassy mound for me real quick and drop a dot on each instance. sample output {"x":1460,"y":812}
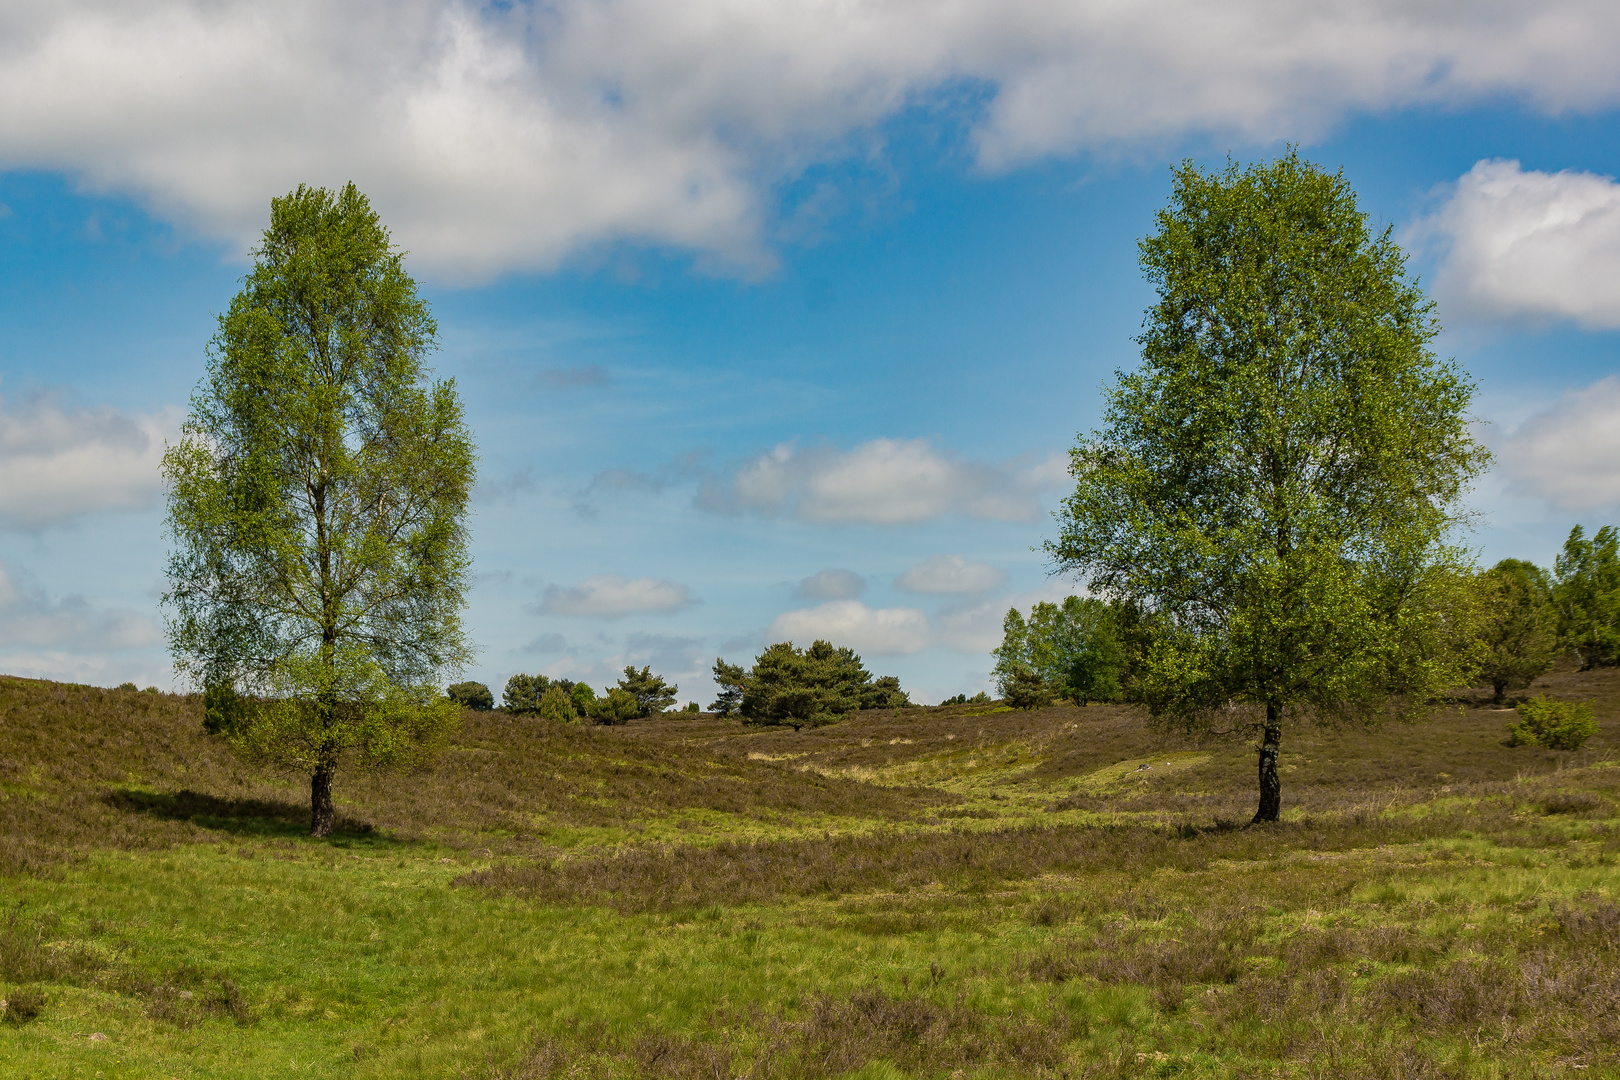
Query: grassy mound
{"x":925,"y":892}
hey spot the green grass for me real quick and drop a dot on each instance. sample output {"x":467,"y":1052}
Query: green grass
{"x":928,"y":893}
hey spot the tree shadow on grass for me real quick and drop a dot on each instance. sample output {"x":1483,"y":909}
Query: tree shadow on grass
{"x":264,"y":818}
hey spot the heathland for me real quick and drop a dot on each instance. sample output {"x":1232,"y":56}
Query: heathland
{"x":958,"y":892}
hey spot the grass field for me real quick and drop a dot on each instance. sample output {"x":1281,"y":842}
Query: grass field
{"x":957,"y":892}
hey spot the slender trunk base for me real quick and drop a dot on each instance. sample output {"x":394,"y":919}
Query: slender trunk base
{"x":321,"y":814}
{"x":1270,"y":784}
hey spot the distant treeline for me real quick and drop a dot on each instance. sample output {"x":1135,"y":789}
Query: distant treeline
{"x":1084,"y":649}
{"x":785,"y":685}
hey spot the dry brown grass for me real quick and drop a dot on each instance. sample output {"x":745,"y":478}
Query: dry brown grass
{"x":828,"y":1037}
{"x":83,"y":768}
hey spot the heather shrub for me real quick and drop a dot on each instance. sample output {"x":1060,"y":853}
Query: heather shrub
{"x":23,"y":1005}
{"x":1557,"y":725}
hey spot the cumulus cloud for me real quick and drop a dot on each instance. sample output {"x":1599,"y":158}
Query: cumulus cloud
{"x":945,"y":574}
{"x":1569,"y":454}
{"x":57,"y":464}
{"x":976,"y":628}
{"x":869,"y":631}
{"x":1534,"y":245}
{"x":609,"y":596}
{"x":831,"y":585}
{"x":498,"y":136}
{"x":881,"y":482}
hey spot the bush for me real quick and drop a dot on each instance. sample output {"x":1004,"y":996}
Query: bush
{"x":799,"y":687}
{"x":471,"y":695}
{"x":692,"y":706}
{"x":23,"y":1006}
{"x":1026,"y":689}
{"x":652,"y":693}
{"x":1557,"y":725}
{"x":618,"y":707}
{"x":555,"y":704}
{"x":523,"y":693}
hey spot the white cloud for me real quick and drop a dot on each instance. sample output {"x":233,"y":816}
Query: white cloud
{"x":31,"y":619}
{"x":944,"y":574}
{"x":495,"y":137}
{"x":831,"y":585}
{"x":1532,"y":245}
{"x":56,"y":465}
{"x":610,"y":596}
{"x":869,"y":631}
{"x":976,"y":628}
{"x":881,"y":482}
{"x":1570,"y":454}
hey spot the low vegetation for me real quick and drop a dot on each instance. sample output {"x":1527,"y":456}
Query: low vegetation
{"x":965,"y":891}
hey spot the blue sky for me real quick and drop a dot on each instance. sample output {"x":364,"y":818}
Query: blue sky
{"x":772,"y":321}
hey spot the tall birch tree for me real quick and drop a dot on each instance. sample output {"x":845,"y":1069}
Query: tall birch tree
{"x":317,"y":503}
{"x":1276,"y":488}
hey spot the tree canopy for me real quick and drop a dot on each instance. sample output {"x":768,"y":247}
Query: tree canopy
{"x":1275,"y":488}
{"x":317,"y":502}
{"x":1518,"y":628}
{"x":1070,"y":650}
{"x":652,"y":693}
{"x":801,"y":687}
{"x":1587,"y":592}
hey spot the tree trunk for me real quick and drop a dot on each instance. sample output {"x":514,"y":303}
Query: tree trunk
{"x":1270,"y":784}
{"x":321,"y":814}
{"x":1500,"y":688}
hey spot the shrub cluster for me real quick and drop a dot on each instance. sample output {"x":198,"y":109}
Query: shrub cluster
{"x":1554,"y":724}
{"x":638,"y":693}
{"x":471,"y":695}
{"x":962,"y":699}
{"x":803,"y":687}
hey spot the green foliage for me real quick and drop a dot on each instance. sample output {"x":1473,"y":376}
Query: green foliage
{"x":582,"y":696}
{"x":1587,"y":592}
{"x":317,"y":500}
{"x":692,"y":706}
{"x":523,"y":692}
{"x":128,"y":686}
{"x":1557,"y":725}
{"x":800,"y":687}
{"x":617,"y":707}
{"x":1277,"y":484}
{"x":556,"y":705}
{"x":884,"y":693}
{"x":732,"y":680}
{"x":1519,"y":630}
{"x":1075,"y":648}
{"x":22,"y":1005}
{"x":471,"y":695}
{"x":652,"y":693}
{"x":1026,"y":688}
